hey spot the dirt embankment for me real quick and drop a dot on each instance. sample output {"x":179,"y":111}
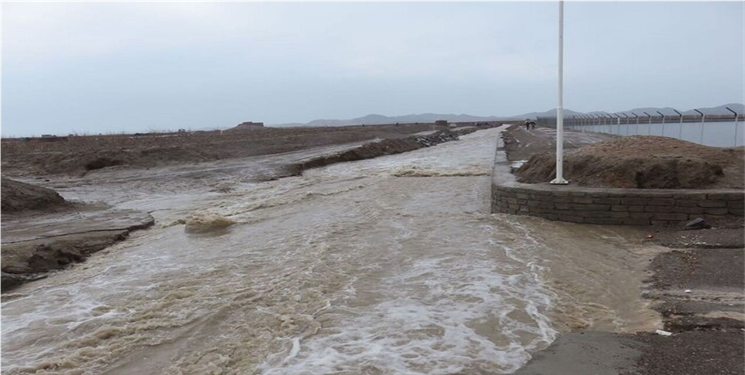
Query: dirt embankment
{"x":18,"y":196}
{"x":80,"y":154}
{"x":43,"y":232}
{"x":376,"y":149}
{"x":56,"y":240}
{"x":643,"y":162}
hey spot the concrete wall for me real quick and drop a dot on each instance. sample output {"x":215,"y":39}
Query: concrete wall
{"x":608,"y":206}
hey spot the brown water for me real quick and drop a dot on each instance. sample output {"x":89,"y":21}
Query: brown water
{"x":352,"y":268}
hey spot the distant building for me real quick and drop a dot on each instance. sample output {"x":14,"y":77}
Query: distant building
{"x":249,"y":125}
{"x":441,"y":122}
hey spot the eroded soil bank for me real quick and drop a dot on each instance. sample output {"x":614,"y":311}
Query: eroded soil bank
{"x":44,"y":232}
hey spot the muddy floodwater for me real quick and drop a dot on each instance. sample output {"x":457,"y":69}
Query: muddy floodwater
{"x":391,"y":265}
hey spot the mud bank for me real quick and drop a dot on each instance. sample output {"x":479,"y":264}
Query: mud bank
{"x":382,"y":148}
{"x":18,"y":197}
{"x":42,"y":232}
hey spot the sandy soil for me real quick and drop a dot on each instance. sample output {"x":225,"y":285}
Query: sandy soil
{"x":34,"y":243}
{"x":521,"y":144}
{"x":80,"y":154}
{"x":644,"y":162}
{"x":18,"y":196}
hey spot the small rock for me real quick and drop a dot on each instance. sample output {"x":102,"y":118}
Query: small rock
{"x":11,"y":280}
{"x":697,"y":223}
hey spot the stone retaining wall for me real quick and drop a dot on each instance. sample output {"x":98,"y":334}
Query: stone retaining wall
{"x":609,"y":206}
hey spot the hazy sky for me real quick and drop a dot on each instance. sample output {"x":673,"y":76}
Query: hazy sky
{"x":104,"y":67}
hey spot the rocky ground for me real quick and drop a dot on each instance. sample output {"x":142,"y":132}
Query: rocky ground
{"x":697,"y":287}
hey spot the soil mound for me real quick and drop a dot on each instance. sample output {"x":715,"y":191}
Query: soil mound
{"x":19,"y":196}
{"x":88,"y":160}
{"x":376,"y":149}
{"x":643,"y":162}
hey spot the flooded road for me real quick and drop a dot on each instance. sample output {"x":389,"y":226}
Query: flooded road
{"x":391,"y":265}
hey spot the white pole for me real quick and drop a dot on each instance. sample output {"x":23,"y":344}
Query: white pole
{"x":680,"y":131}
{"x":701,"y":139}
{"x":636,"y":132}
{"x":559,"y":180}
{"x":702,"y":128}
{"x":680,"y":127}
{"x":736,"y":129}
{"x":736,"y":116}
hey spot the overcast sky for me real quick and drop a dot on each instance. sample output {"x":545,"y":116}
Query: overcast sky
{"x":107,"y":67}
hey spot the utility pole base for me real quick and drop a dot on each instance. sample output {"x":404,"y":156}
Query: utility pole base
{"x":559,"y":181}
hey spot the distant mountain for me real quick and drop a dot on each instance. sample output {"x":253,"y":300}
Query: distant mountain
{"x":375,"y":119}
{"x":549,"y":113}
{"x":720,"y":110}
{"x":667,"y":111}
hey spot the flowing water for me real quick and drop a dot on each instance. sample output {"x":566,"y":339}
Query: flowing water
{"x":391,"y":265}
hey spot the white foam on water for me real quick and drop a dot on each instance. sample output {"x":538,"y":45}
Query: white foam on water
{"x":440,"y":316}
